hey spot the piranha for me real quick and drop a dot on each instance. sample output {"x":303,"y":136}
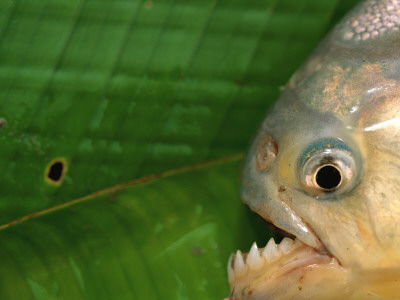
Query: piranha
{"x":324,"y":167}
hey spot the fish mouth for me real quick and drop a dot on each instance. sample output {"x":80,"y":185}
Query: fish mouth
{"x":261,"y":270}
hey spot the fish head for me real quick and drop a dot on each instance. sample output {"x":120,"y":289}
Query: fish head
{"x":329,"y":175}
{"x":324,"y":166}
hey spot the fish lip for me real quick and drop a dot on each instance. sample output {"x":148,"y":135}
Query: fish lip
{"x":303,"y":231}
{"x":322,"y":249}
{"x":282,"y":233}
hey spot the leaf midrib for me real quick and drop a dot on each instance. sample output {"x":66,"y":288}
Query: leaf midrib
{"x":115,"y":188}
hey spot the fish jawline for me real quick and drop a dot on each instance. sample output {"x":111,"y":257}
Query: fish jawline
{"x":259,"y":273}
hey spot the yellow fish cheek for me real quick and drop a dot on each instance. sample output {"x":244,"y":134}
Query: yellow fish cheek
{"x":286,"y":168}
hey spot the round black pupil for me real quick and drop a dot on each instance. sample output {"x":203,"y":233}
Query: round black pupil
{"x":328,"y":177}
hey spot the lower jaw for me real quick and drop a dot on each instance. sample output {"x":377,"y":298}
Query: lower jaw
{"x":291,"y":270}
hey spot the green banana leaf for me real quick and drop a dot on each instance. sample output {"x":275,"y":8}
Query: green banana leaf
{"x":122,"y":128}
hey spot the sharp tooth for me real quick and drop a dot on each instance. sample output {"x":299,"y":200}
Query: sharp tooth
{"x":271,"y":251}
{"x":254,"y":260}
{"x":286,"y":245}
{"x":239,"y":267}
{"x":231,"y":273}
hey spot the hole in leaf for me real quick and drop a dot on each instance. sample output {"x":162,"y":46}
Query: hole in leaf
{"x":55,"y":171}
{"x":328,"y":177}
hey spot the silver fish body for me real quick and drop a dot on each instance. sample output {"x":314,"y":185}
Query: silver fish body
{"x":325,"y":167}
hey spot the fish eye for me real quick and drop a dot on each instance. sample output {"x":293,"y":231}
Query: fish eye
{"x":327,"y":166}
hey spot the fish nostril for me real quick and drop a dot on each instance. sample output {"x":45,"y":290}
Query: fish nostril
{"x":266,"y":153}
{"x":328,"y":177}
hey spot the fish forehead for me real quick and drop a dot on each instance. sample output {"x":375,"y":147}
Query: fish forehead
{"x":342,"y":79}
{"x":342,"y":88}
{"x":357,"y":61}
